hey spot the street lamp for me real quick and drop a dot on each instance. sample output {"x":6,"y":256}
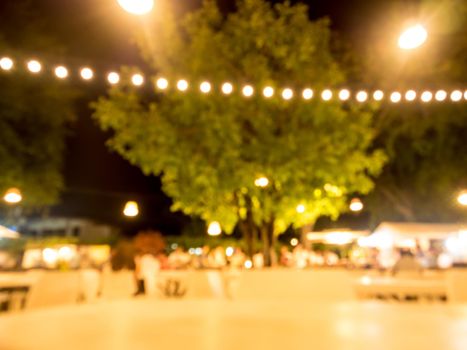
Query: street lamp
{"x":413,"y":37}
{"x":13,"y":196}
{"x":137,"y":7}
{"x":462,"y":198}
{"x":131,"y":209}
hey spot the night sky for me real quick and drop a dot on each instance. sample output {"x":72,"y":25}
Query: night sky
{"x":97,"y":32}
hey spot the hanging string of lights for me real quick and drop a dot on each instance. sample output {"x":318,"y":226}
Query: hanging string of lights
{"x":162,"y":84}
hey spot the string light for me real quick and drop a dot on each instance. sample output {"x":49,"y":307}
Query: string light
{"x":440,"y":95}
{"x":34,"y":66}
{"x":427,"y":96}
{"x":268,"y":92}
{"x":162,"y":83}
{"x":410,"y":95}
{"x":344,"y":95}
{"x":456,"y":95}
{"x":137,"y":79}
{"x":396,"y":97}
{"x":87,"y":73}
{"x":6,"y":63}
{"x":113,"y":78}
{"x":227,"y":88}
{"x":326,"y":95}
{"x":247,"y":91}
{"x":362,"y":96}
{"x":205,"y":87}
{"x":182,"y":85}
{"x":287,"y":94}
{"x":307,"y":94}
{"x":378,"y":95}
{"x":61,"y":72}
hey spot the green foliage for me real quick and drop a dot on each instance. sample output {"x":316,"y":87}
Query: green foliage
{"x":34,"y":111}
{"x":209,"y":150}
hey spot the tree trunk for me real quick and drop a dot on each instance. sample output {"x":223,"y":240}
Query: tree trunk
{"x":268,"y":240}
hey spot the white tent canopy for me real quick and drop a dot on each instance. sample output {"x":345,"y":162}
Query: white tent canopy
{"x":388,"y":234}
{"x":7,"y":233}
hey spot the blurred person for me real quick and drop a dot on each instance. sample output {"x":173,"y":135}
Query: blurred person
{"x":218,"y":260}
{"x":238,"y":259}
{"x":407,"y":265}
{"x":258,"y":260}
{"x":300,"y":257}
{"x":286,"y":257}
{"x":179,"y":259}
{"x":147,"y":267}
{"x":332,"y":259}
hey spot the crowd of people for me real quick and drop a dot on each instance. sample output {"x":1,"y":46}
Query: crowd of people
{"x":221,"y":257}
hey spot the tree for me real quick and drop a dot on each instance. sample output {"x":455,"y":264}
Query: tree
{"x":34,"y":112}
{"x":209,"y":149}
{"x":425,"y":142}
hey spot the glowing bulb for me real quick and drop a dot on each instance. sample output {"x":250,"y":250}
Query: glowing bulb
{"x":268,"y":92}
{"x":426,"y":96}
{"x":229,"y":251}
{"x":262,"y":181}
{"x":465,"y":95}
{"x":326,"y":95}
{"x":12,"y":196}
{"x":137,"y":79}
{"x":300,"y":208}
{"x":248,"y":264}
{"x":34,"y":66}
{"x":205,"y":87}
{"x":344,"y":95}
{"x":137,"y":7}
{"x":378,"y":95}
{"x":65,"y":253}
{"x":462,"y":198}
{"x":6,"y":63}
{"x":307,"y":94}
{"x":61,"y":72}
{"x":50,"y":256}
{"x":113,"y":78}
{"x":396,"y":97}
{"x":287,"y":94}
{"x":441,"y":95}
{"x":247,"y":91}
{"x":131,"y":209}
{"x":182,"y":85}
{"x":227,"y":88}
{"x":162,"y":83}
{"x":410,"y":95}
{"x":413,"y":37}
{"x":214,"y":229}
{"x":87,"y":73}
{"x":362,"y":96}
{"x":356,"y":205}
{"x":456,"y":95}
{"x":293,"y":242}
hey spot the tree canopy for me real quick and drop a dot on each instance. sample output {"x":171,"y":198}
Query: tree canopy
{"x":210,"y":148}
{"x":34,"y":111}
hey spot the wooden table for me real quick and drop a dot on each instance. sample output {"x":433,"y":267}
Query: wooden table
{"x":401,"y":288}
{"x":11,"y":286}
{"x":228,"y":325}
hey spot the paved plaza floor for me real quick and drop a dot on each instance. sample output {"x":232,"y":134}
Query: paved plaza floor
{"x":223,"y":324}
